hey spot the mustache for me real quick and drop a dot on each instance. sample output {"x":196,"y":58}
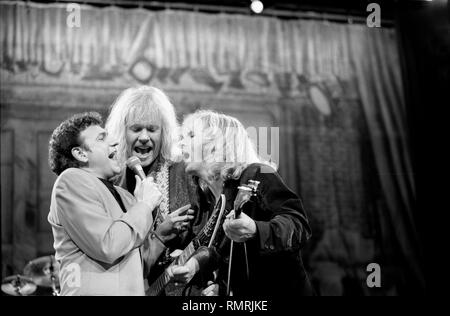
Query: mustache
{"x":139,"y":143}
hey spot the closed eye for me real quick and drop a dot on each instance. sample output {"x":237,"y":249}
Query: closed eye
{"x":153,"y":128}
{"x":135,"y":129}
{"x":101,"y":136}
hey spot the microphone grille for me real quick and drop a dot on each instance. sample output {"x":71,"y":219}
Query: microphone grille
{"x":132,"y":162}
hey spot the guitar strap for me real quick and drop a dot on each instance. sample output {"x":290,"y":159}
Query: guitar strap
{"x":230,"y":262}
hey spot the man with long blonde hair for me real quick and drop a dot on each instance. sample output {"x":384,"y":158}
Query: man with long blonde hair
{"x":260,"y":248}
{"x":143,"y":121}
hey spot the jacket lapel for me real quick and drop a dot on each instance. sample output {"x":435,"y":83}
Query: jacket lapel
{"x":112,"y":207}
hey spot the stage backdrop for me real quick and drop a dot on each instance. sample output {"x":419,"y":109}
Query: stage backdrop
{"x":334,"y":90}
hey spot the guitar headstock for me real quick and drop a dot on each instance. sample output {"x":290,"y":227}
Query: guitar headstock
{"x":245,"y":193}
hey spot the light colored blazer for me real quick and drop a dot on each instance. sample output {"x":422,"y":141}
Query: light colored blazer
{"x":96,"y":243}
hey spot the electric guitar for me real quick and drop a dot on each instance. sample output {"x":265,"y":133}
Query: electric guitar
{"x":204,"y":238}
{"x":208,"y":233}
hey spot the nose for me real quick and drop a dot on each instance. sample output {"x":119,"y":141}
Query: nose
{"x":143,"y":137}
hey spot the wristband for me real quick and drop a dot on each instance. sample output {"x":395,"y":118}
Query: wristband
{"x":153,"y":235}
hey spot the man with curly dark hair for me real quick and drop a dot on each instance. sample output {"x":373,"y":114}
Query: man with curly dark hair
{"x":65,"y":137}
{"x":97,"y":227}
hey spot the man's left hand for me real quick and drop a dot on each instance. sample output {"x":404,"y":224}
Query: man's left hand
{"x":240,"y":229}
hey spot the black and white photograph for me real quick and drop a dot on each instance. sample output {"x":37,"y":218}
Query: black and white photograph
{"x":234,"y":148}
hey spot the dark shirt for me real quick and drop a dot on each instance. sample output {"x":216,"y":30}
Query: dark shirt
{"x":114,"y":192}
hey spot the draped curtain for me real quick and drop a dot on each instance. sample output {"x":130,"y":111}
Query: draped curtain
{"x":380,"y":88}
{"x":340,"y":95}
{"x":119,"y":44}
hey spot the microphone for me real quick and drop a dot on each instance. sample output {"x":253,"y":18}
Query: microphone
{"x":135,"y":164}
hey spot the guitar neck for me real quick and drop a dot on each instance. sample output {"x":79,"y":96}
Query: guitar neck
{"x":201,"y":239}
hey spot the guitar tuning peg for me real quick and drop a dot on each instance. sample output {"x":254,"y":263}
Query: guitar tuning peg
{"x":253,"y":184}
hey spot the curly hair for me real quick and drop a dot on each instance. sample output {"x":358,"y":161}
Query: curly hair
{"x":67,"y":136}
{"x":139,"y":104}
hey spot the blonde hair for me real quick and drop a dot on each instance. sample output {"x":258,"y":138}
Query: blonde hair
{"x":226,"y":145}
{"x":138,"y":104}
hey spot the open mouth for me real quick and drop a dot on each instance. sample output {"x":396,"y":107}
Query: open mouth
{"x":142,"y":150}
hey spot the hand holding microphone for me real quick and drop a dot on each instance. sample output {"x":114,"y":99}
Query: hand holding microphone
{"x":145,"y":190}
{"x":177,"y":221}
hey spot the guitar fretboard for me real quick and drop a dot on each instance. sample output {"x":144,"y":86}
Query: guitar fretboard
{"x":202,"y":239}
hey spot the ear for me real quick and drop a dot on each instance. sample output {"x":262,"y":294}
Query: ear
{"x":79,"y":154}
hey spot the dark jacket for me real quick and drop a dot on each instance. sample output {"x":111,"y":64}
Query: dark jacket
{"x":274,"y":256}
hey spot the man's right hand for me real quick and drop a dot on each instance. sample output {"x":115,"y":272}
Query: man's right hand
{"x":147,"y":192}
{"x":175,"y":223}
{"x":212,"y":289}
{"x":183,"y":274}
